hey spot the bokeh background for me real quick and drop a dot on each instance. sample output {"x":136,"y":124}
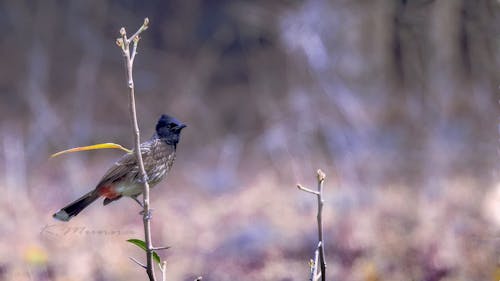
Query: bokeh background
{"x":397,"y":101}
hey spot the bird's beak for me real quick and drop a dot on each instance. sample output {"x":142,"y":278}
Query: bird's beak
{"x":180,"y":127}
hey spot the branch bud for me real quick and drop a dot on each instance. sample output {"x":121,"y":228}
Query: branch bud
{"x":321,"y":176}
{"x":122,"y":31}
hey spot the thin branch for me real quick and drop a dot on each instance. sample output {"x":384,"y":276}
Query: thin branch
{"x":163,"y":269}
{"x":307,"y":189}
{"x":160,"y":248}
{"x":321,"y":179}
{"x":319,"y":253}
{"x":137,"y":262}
{"x":134,"y":50}
{"x":124,"y":43}
{"x":144,"y":26}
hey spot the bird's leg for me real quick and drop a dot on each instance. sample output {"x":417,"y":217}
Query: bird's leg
{"x":137,"y":200}
{"x":141,"y":180}
{"x":149,"y":215}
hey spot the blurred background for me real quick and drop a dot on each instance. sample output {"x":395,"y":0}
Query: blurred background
{"x":397,"y":101}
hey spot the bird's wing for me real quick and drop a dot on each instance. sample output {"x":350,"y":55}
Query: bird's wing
{"x":125,"y":166}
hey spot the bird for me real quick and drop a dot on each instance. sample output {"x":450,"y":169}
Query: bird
{"x":123,"y":177}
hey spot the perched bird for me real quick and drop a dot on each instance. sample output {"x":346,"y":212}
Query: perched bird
{"x":123,"y":178}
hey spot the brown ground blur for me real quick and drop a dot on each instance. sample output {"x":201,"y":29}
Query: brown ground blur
{"x":397,"y":101}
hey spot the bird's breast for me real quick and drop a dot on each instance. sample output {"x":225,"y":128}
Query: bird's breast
{"x":159,"y":162}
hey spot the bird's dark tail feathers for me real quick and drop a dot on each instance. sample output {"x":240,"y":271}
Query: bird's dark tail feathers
{"x":72,"y":209}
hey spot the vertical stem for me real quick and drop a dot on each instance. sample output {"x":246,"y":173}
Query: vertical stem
{"x":146,"y":217}
{"x":320,"y":249}
{"x":137,"y":146}
{"x":321,"y":179}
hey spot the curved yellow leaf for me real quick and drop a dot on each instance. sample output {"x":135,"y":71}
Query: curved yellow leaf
{"x":92,"y":147}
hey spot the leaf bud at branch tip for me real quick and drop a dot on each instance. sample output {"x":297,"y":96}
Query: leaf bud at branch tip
{"x":321,"y":175}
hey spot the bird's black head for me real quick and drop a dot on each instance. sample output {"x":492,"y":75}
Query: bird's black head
{"x":169,"y":129}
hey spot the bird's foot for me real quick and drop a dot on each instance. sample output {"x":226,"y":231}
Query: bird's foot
{"x":147,"y":215}
{"x":142,"y":180}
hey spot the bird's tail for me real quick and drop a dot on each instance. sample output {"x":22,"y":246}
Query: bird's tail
{"x":72,"y":209}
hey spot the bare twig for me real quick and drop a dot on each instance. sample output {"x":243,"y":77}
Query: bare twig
{"x":307,"y":189}
{"x":321,"y":179}
{"x":137,"y":262}
{"x":144,"y":26}
{"x":319,"y":254}
{"x":163,"y":269}
{"x":124,"y":44}
{"x":160,"y":248}
{"x":134,"y":50}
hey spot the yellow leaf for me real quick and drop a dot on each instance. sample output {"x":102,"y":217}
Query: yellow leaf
{"x":92,"y":147}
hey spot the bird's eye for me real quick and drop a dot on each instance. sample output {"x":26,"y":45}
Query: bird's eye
{"x":171,"y":125}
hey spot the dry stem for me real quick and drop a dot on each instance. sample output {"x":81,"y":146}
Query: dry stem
{"x":319,"y":254}
{"x":124,"y":44}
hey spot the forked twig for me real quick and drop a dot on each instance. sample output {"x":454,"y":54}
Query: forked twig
{"x":307,"y":189}
{"x":319,"y":253}
{"x":124,"y":43}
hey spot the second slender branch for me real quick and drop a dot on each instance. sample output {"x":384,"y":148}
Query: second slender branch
{"x":319,"y":253}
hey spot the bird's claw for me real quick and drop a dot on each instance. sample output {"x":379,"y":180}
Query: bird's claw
{"x":147,"y":215}
{"x":141,"y":179}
